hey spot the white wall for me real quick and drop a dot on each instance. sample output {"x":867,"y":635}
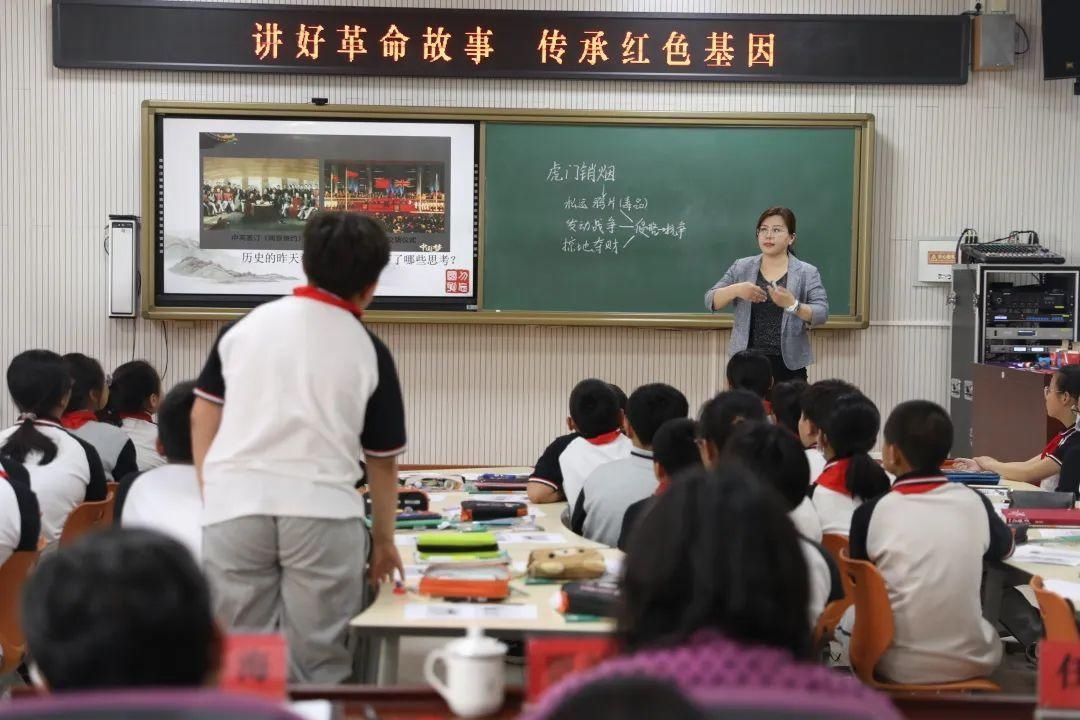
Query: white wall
{"x":999,"y":153}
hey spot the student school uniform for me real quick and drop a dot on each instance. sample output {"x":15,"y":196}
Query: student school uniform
{"x":114,"y":447}
{"x":832,"y":502}
{"x":20,"y":516}
{"x":283,"y":533}
{"x":547,"y":470}
{"x":806,"y":520}
{"x":608,"y":492}
{"x":142,"y":430}
{"x":929,"y":537}
{"x":581,"y":456}
{"x":73,"y":477}
{"x":166,"y":499}
{"x":823,"y":576}
{"x":1058,"y":447}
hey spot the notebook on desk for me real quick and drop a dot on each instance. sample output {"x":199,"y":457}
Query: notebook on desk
{"x":1049,"y":517}
{"x":973,"y":478}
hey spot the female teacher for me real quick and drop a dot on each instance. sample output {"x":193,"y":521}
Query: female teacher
{"x":777,"y":297}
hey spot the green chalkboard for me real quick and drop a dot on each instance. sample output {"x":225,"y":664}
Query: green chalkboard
{"x":615,"y":218}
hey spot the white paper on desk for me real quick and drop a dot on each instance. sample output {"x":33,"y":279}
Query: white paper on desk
{"x":1046,"y":555}
{"x":1056,"y":534}
{"x":501,"y":497}
{"x":312,"y":709}
{"x":415,"y":572}
{"x":405,"y":540}
{"x":469,"y":611}
{"x":1064,"y":588}
{"x":437,"y":497}
{"x":537,"y":538}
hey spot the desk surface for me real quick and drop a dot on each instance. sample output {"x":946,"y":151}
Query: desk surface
{"x":387,"y":614}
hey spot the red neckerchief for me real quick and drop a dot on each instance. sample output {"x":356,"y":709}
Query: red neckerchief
{"x":77,"y":418}
{"x":315,"y":293}
{"x":662,"y":487}
{"x":606,"y":438}
{"x":913,"y":483}
{"x":834,"y":476}
{"x":139,"y":415}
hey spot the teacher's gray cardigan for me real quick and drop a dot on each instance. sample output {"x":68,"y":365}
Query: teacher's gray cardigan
{"x":804,"y":282}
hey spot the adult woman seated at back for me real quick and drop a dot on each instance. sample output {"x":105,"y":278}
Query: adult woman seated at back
{"x":1062,"y":395}
{"x":709,"y":605}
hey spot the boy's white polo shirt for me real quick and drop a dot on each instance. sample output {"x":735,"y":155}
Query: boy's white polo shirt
{"x":306,"y":392}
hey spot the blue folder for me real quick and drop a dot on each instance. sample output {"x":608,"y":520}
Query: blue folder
{"x":973,"y":478}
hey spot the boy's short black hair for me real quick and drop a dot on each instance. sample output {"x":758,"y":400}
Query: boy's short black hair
{"x":675,"y":446}
{"x":719,"y":415}
{"x":817,"y":400}
{"x":619,"y":395}
{"x":786,"y":403}
{"x":121,"y":608}
{"x":922,"y":431}
{"x":774,"y":455}
{"x":594,"y":408}
{"x":344,"y":252}
{"x":174,"y":422}
{"x":650,"y":406}
{"x":750,"y":370}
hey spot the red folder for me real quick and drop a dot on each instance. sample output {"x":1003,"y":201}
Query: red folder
{"x":1054,"y":517}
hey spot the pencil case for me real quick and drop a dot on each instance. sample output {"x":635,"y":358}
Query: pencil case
{"x":589,"y":598}
{"x":472,"y":510}
{"x":475,"y":581}
{"x":458,"y":545}
{"x":566,"y":564}
{"x":408,"y":500}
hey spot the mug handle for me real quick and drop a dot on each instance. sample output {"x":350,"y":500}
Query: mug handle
{"x":429,"y":672}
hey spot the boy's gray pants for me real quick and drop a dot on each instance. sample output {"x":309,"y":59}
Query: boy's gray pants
{"x":303,"y":577}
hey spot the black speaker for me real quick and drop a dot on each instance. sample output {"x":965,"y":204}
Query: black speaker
{"x":1061,"y":38}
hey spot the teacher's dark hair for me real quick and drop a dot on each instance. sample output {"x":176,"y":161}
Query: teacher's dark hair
{"x":696,"y":562}
{"x":786,"y":215}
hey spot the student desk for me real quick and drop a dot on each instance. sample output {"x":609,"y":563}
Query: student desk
{"x":381,"y":626}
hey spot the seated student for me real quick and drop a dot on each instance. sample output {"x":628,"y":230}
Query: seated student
{"x":133,"y":400}
{"x":751,"y":370}
{"x":851,"y":476}
{"x":786,"y":406}
{"x":613,"y":487}
{"x":674,"y":451}
{"x":20,"y":516}
{"x":620,"y":698}
{"x":709,"y":607}
{"x":120,"y":609}
{"x":777,"y":458}
{"x":816,"y":403}
{"x":1062,"y":395}
{"x":596,"y":438}
{"x":89,"y":393}
{"x":1069,"y":480}
{"x":167,"y":498}
{"x":929,"y":538}
{"x":64,"y":470}
{"x":719,"y":417}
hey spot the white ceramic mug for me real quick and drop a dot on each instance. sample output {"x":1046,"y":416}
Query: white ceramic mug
{"x":475,"y":676}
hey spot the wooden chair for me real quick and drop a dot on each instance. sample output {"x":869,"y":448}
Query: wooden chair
{"x":1059,"y":620}
{"x":873,"y":631}
{"x":13,"y":574}
{"x":87,"y":517}
{"x":830,"y":616}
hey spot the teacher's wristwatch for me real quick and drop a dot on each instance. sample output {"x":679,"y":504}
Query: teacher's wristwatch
{"x":794,"y":308}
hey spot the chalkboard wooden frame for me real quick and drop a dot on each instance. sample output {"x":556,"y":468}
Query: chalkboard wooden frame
{"x":863,"y":124}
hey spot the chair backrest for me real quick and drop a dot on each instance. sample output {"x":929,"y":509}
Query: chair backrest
{"x":13,"y":574}
{"x":1059,"y":620}
{"x":873,"y":631}
{"x":835,"y":544}
{"x":87,"y":517}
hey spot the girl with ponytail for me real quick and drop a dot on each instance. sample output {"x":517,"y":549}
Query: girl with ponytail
{"x":64,"y":470}
{"x":850,"y":476}
{"x":133,"y":399}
